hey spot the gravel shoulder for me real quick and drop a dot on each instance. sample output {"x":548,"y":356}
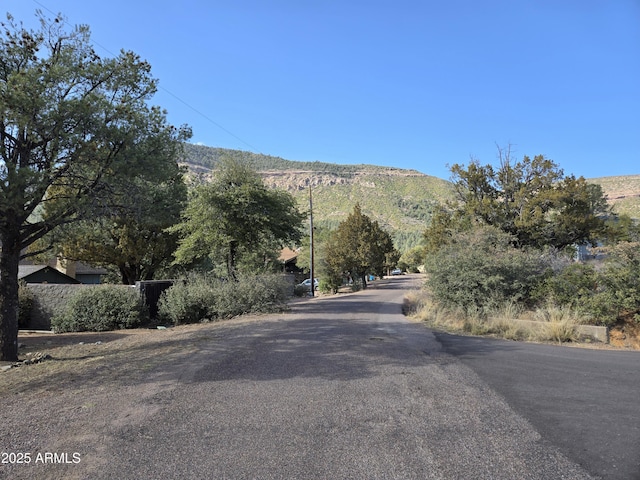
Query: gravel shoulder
{"x":114,"y":355}
{"x":93,"y":382}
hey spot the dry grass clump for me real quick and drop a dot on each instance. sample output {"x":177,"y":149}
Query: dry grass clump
{"x":556,"y":324}
{"x":501,"y":322}
{"x":420,"y":306}
{"x":475,"y":322}
{"x":506,"y":328}
{"x":562,"y":331}
{"x":560,"y":323}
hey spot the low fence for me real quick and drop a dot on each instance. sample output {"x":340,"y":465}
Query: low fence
{"x":50,"y":299}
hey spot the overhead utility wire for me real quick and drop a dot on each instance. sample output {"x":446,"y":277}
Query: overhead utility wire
{"x":207,"y":118}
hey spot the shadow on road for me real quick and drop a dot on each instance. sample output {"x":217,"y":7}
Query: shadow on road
{"x":326,"y":347}
{"x":463,"y":346}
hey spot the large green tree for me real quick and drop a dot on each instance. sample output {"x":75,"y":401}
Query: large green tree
{"x":133,"y":241}
{"x":236,"y":214}
{"x":359,"y":246}
{"x":531,"y":199}
{"x":70,"y":121}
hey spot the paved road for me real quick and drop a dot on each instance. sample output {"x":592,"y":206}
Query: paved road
{"x":585,"y":402}
{"x":341,"y":388}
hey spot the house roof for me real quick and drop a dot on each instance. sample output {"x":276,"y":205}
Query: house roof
{"x":26,"y":271}
{"x":81,"y":267}
{"x":286,"y":255}
{"x":84,"y":269}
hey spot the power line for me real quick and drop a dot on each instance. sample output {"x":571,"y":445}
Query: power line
{"x":187,"y":104}
{"x":208,"y":118}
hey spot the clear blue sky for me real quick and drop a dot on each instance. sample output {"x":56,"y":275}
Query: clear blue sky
{"x":411,"y":84}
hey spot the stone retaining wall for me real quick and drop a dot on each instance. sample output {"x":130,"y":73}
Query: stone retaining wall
{"x":599,"y":334}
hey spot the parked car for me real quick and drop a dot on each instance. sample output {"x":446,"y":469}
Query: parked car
{"x":307,"y":283}
{"x":396,"y":271}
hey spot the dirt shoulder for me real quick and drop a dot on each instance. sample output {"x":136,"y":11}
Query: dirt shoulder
{"x":89,"y":386}
{"x":625,"y":335}
{"x":70,"y":358}
{"x":64,"y":356}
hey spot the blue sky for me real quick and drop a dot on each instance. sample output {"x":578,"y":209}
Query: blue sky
{"x":410,"y":84}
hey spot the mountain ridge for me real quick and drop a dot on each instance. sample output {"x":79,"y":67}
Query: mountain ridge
{"x":401,"y":200}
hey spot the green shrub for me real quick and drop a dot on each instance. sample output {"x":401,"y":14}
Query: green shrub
{"x":569,"y":287}
{"x":617,"y":287}
{"x":200,"y":299}
{"x":482,"y":270}
{"x":25,"y":302}
{"x":187,"y":301}
{"x":330,"y":284}
{"x":250,"y":294}
{"x":301,"y":290}
{"x":621,"y":277}
{"x":600,"y":309}
{"x":101,"y":308}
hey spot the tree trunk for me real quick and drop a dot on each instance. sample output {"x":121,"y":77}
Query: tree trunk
{"x":9,"y":259}
{"x":130,"y":273}
{"x":231,"y":260}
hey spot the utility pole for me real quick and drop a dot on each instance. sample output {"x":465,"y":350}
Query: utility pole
{"x":313,"y":287}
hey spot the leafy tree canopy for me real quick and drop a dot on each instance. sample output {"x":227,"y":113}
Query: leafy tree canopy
{"x":134,"y":241}
{"x":236,"y":212}
{"x":70,"y":124}
{"x":531,"y":199}
{"x":412,"y":259}
{"x":622,"y":228}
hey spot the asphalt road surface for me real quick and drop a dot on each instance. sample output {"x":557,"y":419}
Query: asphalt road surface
{"x":347,"y":388}
{"x":585,"y":402}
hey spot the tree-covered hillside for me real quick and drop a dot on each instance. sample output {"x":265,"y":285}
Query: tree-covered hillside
{"x":208,"y":158}
{"x":623,"y":192}
{"x":400,"y":200}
